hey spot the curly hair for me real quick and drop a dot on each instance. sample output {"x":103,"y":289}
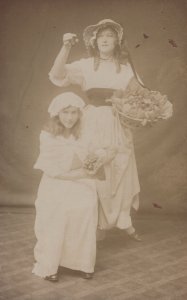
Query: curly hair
{"x":56,"y":128}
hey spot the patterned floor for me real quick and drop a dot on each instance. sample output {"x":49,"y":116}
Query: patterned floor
{"x":155,"y":268}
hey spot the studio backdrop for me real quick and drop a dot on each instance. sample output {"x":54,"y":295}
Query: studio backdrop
{"x":31,"y":37}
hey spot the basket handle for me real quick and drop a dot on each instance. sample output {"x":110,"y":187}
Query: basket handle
{"x":134,"y":71}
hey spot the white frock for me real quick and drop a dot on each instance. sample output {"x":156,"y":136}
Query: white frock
{"x":119,"y":192}
{"x":66,"y":211}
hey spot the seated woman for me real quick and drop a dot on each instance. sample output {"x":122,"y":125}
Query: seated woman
{"x":66,"y":204}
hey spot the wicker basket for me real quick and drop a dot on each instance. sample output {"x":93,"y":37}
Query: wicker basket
{"x":131,"y":122}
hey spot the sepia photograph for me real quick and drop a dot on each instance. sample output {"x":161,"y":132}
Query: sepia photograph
{"x":93,"y":150}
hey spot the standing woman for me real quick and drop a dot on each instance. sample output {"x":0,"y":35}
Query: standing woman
{"x":100,"y":76}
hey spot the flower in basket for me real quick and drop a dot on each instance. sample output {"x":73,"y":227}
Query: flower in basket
{"x":138,"y":106}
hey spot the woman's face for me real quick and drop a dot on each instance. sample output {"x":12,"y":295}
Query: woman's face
{"x":107,"y":40}
{"x":69,"y":116}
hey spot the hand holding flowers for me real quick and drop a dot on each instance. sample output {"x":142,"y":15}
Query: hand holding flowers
{"x":93,"y":163}
{"x":96,"y":159}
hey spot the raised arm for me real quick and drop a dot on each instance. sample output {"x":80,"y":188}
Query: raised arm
{"x":58,"y":71}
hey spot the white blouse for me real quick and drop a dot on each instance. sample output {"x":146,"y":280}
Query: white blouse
{"x":58,"y":155}
{"x":82,"y":72}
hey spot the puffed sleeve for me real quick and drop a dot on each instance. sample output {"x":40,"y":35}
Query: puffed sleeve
{"x":73,"y":74}
{"x":53,"y":159}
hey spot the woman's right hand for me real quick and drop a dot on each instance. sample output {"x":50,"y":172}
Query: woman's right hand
{"x":70,"y":39}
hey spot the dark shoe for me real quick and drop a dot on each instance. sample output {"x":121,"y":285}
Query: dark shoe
{"x":87,"y":275}
{"x":52,"y":278}
{"x":135,"y":237}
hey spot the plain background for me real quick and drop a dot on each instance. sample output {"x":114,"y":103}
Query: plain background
{"x":31,"y":36}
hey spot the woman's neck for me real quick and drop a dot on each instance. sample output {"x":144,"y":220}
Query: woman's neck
{"x":67,"y":133}
{"x":106,"y":56}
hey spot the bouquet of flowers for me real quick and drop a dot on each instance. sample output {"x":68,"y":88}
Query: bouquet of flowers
{"x":137,"y":106}
{"x":93,"y":164}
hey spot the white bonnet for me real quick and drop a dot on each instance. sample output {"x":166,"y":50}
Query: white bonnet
{"x":90,"y":32}
{"x":64,"y":100}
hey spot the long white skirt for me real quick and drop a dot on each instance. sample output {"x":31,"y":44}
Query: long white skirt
{"x":65,"y":226}
{"x":119,"y":192}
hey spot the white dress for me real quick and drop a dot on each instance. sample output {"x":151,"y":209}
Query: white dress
{"x":66,"y":211}
{"x":119,"y":192}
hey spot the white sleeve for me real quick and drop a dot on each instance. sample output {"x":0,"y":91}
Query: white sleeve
{"x":74,"y":75}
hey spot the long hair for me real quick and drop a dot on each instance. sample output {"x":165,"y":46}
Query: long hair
{"x":121,"y":55}
{"x":56,"y":128}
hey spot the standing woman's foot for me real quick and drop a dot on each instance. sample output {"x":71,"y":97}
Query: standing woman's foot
{"x":133,"y":234}
{"x":52,"y":278}
{"x":135,"y":237}
{"x":87,"y":275}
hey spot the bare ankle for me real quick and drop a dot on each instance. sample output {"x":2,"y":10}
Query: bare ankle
{"x":130,"y":230}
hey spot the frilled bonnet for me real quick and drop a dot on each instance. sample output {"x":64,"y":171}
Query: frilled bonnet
{"x":65,"y":100}
{"x":90,"y":32}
